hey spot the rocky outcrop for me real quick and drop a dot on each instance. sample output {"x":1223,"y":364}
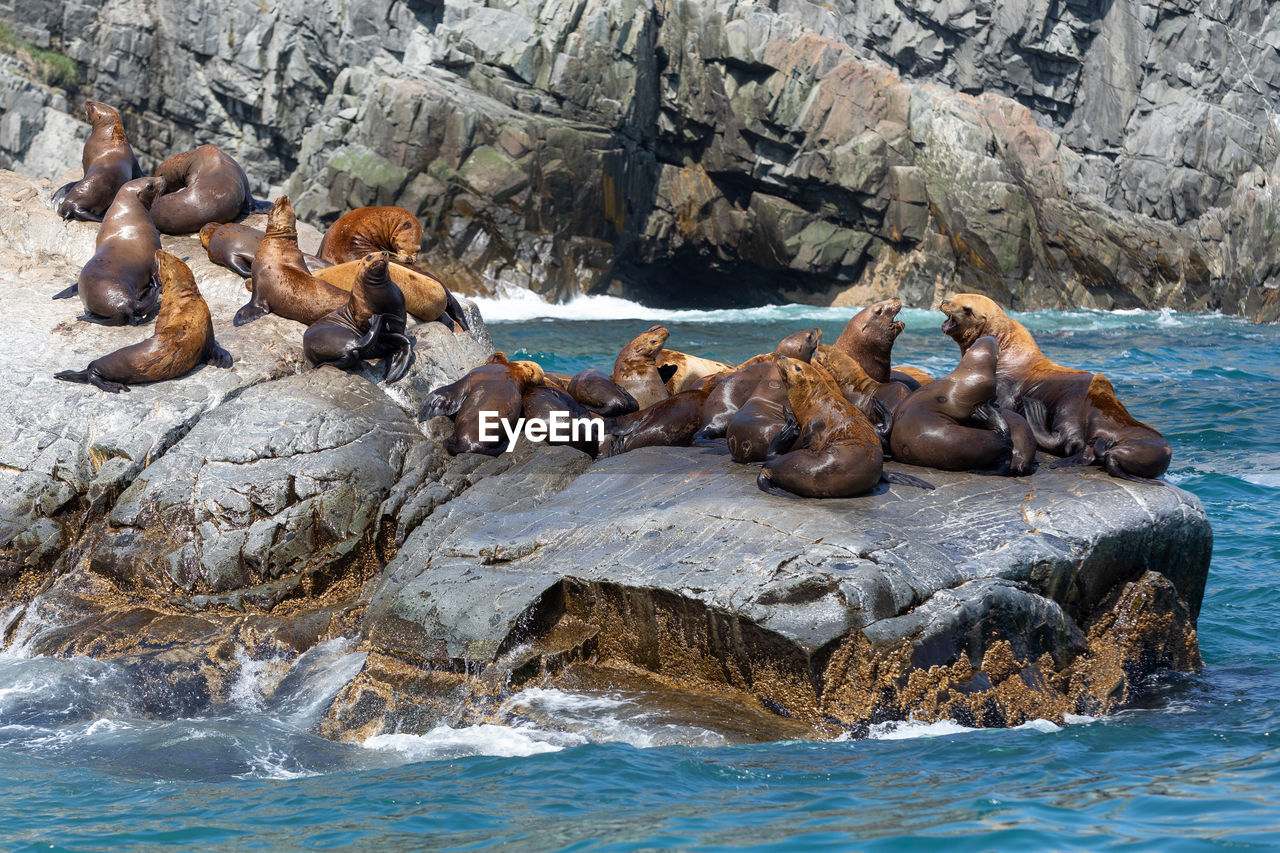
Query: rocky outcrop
{"x":238,"y":518}
{"x":1102,"y":154}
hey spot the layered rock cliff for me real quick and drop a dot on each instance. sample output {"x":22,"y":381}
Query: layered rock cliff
{"x":235,"y":520}
{"x":1049,"y":154}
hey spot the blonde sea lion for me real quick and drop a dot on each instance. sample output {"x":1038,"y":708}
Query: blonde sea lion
{"x":679,"y":370}
{"x":425,"y":296}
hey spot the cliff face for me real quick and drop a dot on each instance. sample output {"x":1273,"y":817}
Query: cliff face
{"x":1047,"y":153}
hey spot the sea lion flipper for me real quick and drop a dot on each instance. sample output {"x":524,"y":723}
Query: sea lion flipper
{"x":73,"y":290}
{"x":250,"y":312}
{"x":1036,"y":414}
{"x":442,"y":401}
{"x":785,"y":438}
{"x":398,"y":362}
{"x":882,"y":420}
{"x":453,"y":309}
{"x":366,"y":340}
{"x":60,"y":193}
{"x":765,"y":483}
{"x":241,"y":264}
{"x":1084,"y":457}
{"x":1112,"y":466}
{"x":906,"y":480}
{"x":91,"y":375}
{"x":216,"y":355}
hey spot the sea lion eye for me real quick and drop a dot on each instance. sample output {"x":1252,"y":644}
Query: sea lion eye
{"x":968,"y":310}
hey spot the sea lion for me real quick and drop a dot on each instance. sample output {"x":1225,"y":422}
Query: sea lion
{"x":108,"y":163}
{"x":183,"y":338}
{"x":869,"y":337}
{"x":117,"y":285}
{"x":756,"y":425}
{"x":370,"y":325}
{"x":854,"y":382}
{"x":836,"y":452}
{"x":600,"y":394}
{"x":934,"y":426}
{"x":680,"y":370}
{"x":281,"y":283}
{"x":1073,"y":413}
{"x":547,"y":401}
{"x":233,"y":246}
{"x":425,"y":296}
{"x":201,"y":186}
{"x":496,"y":386}
{"x":636,"y":368}
{"x":667,"y":423}
{"x":732,"y":391}
{"x":372,"y":229}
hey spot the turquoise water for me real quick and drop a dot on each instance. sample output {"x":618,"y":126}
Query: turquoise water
{"x":1197,"y":765}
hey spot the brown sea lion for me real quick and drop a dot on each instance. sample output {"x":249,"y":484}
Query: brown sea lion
{"x":836,"y":452}
{"x":496,"y":386}
{"x":548,"y":402}
{"x":1073,"y":413}
{"x":869,"y":337}
{"x":667,"y":423}
{"x":372,"y":229}
{"x":201,"y":186}
{"x":117,"y":285}
{"x":600,"y":394}
{"x":756,"y":426}
{"x":108,"y":163}
{"x":425,"y":296}
{"x":183,"y":338}
{"x":281,"y":283}
{"x":855,"y":383}
{"x":680,"y":370}
{"x":370,"y":325}
{"x":935,"y":425}
{"x":732,"y":391}
{"x":636,"y":368}
{"x":233,"y":246}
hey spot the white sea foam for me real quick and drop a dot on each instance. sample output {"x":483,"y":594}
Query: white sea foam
{"x":444,"y":742}
{"x":909,"y":729}
{"x":900,"y":730}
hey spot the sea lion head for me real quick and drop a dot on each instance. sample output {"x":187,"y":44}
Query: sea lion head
{"x":969,"y":316}
{"x":373,"y":269}
{"x":407,"y":240}
{"x":147,"y":190}
{"x":527,"y":373}
{"x":794,"y":372}
{"x":800,"y":345}
{"x":175,"y":276}
{"x":498,"y":357}
{"x":282,"y":221}
{"x":879,"y":325}
{"x":649,"y":344}
{"x":99,"y":113}
{"x":206,"y":233}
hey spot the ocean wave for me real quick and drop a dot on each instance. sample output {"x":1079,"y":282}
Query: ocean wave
{"x":445,"y":742}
